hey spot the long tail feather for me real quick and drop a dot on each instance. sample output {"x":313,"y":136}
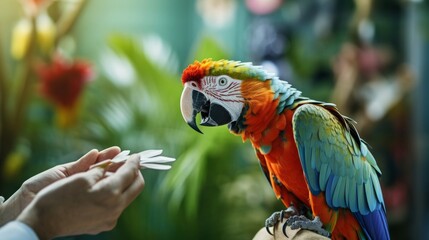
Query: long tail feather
{"x":374,"y":224}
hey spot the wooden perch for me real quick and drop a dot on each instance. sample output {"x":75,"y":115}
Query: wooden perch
{"x":292,"y":234}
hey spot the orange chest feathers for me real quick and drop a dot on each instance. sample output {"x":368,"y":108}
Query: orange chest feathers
{"x":279,"y":155}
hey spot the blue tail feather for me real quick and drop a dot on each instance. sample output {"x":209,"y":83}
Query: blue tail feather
{"x":374,"y":224}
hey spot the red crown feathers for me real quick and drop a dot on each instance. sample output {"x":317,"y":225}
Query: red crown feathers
{"x":196,"y":71}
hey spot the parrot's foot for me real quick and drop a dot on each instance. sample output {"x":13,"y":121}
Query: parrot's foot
{"x":302,"y":222}
{"x":277,"y":217}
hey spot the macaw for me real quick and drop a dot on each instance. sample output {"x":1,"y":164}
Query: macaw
{"x":312,"y":155}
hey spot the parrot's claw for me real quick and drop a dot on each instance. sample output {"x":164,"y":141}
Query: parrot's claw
{"x":299,"y":221}
{"x":277,"y":217}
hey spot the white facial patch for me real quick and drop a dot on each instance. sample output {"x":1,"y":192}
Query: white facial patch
{"x":224,"y":91}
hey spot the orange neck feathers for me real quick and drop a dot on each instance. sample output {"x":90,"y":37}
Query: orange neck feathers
{"x":261,"y":108}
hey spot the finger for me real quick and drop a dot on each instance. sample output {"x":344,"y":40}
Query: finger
{"x":108,"y":153}
{"x":126,"y":174}
{"x":108,"y":165}
{"x":114,"y":166}
{"x":82,"y":164}
{"x":94,"y":175}
{"x":103,"y":164}
{"x":134,"y":189}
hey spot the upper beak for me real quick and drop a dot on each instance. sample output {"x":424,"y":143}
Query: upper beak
{"x":191,"y":103}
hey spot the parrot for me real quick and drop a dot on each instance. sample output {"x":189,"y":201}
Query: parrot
{"x":313,"y":156}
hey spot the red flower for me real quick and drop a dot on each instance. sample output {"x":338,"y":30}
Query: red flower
{"x":62,"y":82}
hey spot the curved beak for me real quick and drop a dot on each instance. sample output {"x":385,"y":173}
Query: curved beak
{"x":193,"y":102}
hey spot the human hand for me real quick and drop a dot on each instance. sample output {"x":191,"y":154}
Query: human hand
{"x":21,"y":198}
{"x":85,"y":203}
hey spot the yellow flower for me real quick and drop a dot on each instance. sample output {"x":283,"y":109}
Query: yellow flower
{"x":21,"y":38}
{"x":46,"y":32}
{"x":21,"y":35}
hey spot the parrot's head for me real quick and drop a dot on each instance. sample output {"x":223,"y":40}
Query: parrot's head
{"x":215,"y":90}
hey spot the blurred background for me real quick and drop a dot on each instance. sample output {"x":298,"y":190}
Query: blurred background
{"x":78,"y":74}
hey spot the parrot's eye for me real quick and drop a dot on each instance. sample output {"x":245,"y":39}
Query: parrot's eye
{"x":222,"y":81}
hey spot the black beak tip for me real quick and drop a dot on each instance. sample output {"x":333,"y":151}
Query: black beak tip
{"x":194,"y":126}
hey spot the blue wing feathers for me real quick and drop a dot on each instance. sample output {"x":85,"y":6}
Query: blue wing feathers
{"x":306,"y":134}
{"x":328,"y":152}
{"x":313,"y":158}
{"x":325,"y":171}
{"x":349,"y":139}
{"x":346,"y":191}
{"x":377,"y":188}
{"x":334,"y":182}
{"x":356,"y":162}
{"x":370,"y":197}
{"x":366,"y":173}
{"x":362,"y":203}
{"x":329,"y":191}
{"x":374,"y":224}
{"x":335,"y":160}
{"x":363,"y":149}
{"x":316,"y":157}
{"x":370,"y":158}
{"x":312,"y":176}
{"x":359,"y":176}
{"x":353,"y":202}
{"x":321,"y":136}
{"x":356,"y":149}
{"x":338,"y":199}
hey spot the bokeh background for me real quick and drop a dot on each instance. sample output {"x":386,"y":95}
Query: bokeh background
{"x":80,"y":74}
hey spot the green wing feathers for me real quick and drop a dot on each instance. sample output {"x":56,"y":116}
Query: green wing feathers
{"x":335,"y":160}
